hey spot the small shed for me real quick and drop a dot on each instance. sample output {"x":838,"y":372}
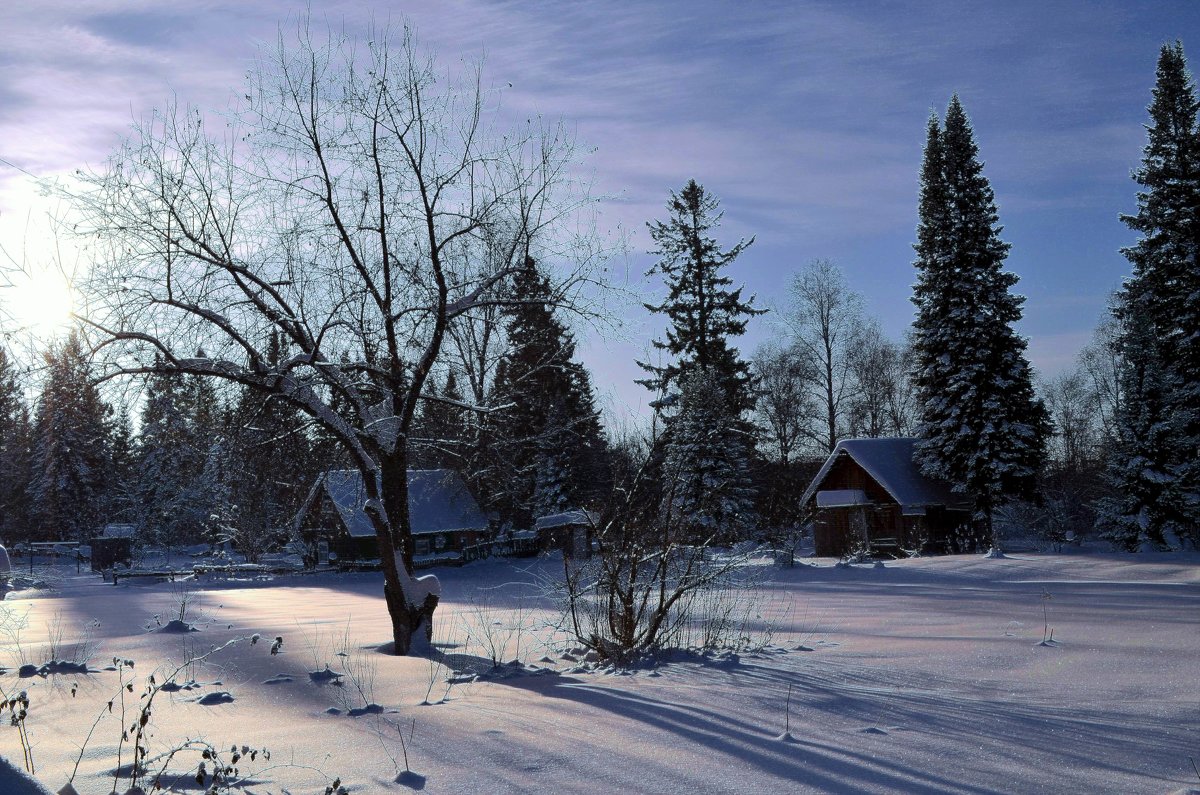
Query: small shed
{"x":870,"y":493}
{"x":113,"y":547}
{"x":447,"y":523}
{"x":569,"y":531}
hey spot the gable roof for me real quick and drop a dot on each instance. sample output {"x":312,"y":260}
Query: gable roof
{"x":890,"y":463}
{"x":438,"y":502}
{"x":564,"y":519}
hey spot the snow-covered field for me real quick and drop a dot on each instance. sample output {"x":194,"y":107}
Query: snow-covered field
{"x":924,"y":675}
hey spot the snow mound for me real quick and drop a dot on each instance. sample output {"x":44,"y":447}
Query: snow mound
{"x":176,"y":626}
{"x":175,"y":687}
{"x":16,"y":782}
{"x":325,"y":675}
{"x":52,"y":667}
{"x":213,"y":699}
{"x":994,"y":554}
{"x":369,"y":709}
{"x":63,"y":667}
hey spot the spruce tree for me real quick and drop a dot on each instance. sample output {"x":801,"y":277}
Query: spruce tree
{"x":16,"y":438}
{"x":705,"y":313}
{"x":1145,"y":501}
{"x":707,"y":489}
{"x":70,"y":454}
{"x":982,"y":428}
{"x":440,"y":437}
{"x":549,"y":435}
{"x":165,"y":462}
{"x":183,"y":489}
{"x":1160,"y":316}
{"x":269,"y":464}
{"x":122,"y":499}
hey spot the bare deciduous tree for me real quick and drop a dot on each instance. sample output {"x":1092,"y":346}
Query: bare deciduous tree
{"x":784,"y":407}
{"x":883,"y":403}
{"x":825,"y":318}
{"x":1073,"y":408}
{"x":359,"y":203}
{"x":1103,"y":362}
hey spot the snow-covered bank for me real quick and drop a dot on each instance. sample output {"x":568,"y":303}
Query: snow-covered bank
{"x":924,"y":675}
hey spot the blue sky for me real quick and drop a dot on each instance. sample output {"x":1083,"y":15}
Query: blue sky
{"x":806,"y":119}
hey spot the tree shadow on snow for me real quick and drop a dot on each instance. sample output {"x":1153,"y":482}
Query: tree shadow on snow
{"x":813,"y":763}
{"x":854,"y":725}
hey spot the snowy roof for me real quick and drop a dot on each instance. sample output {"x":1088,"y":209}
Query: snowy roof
{"x":118,"y":531}
{"x":438,"y":502}
{"x":841,"y":498}
{"x":564,"y":519}
{"x":890,"y":463}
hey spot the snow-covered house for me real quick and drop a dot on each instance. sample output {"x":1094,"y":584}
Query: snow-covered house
{"x":869,"y":492}
{"x":569,"y":531}
{"x":447,"y":522}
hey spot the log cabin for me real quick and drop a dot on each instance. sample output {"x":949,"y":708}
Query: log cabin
{"x":870,"y":495}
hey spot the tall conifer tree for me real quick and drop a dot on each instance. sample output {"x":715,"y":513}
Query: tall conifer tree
{"x":705,"y":313}
{"x":16,"y":439}
{"x":70,"y":453}
{"x":550,"y":435}
{"x":165,"y":461}
{"x":1155,"y":467}
{"x":184,"y":468}
{"x":1144,"y":503}
{"x":271,"y":462}
{"x":122,"y":500}
{"x":982,"y":428}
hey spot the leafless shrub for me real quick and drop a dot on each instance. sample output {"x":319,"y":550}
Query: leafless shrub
{"x":76,"y":648}
{"x":637,"y":593}
{"x":499,"y":634}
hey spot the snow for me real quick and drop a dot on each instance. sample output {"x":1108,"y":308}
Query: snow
{"x":118,"y":531}
{"x":14,"y":781}
{"x":564,"y":519}
{"x":922,"y":676}
{"x":840,"y":498}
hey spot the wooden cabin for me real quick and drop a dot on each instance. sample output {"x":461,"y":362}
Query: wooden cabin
{"x":870,"y":494}
{"x":447,"y":524}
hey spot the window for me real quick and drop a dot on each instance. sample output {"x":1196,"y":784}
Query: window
{"x":421,"y":546}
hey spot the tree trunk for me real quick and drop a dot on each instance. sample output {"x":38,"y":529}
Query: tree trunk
{"x":410,"y":602}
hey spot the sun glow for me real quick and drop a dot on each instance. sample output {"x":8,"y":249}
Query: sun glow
{"x":40,"y":304}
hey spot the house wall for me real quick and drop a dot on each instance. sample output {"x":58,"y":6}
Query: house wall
{"x":836,"y":530}
{"x":573,"y":540}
